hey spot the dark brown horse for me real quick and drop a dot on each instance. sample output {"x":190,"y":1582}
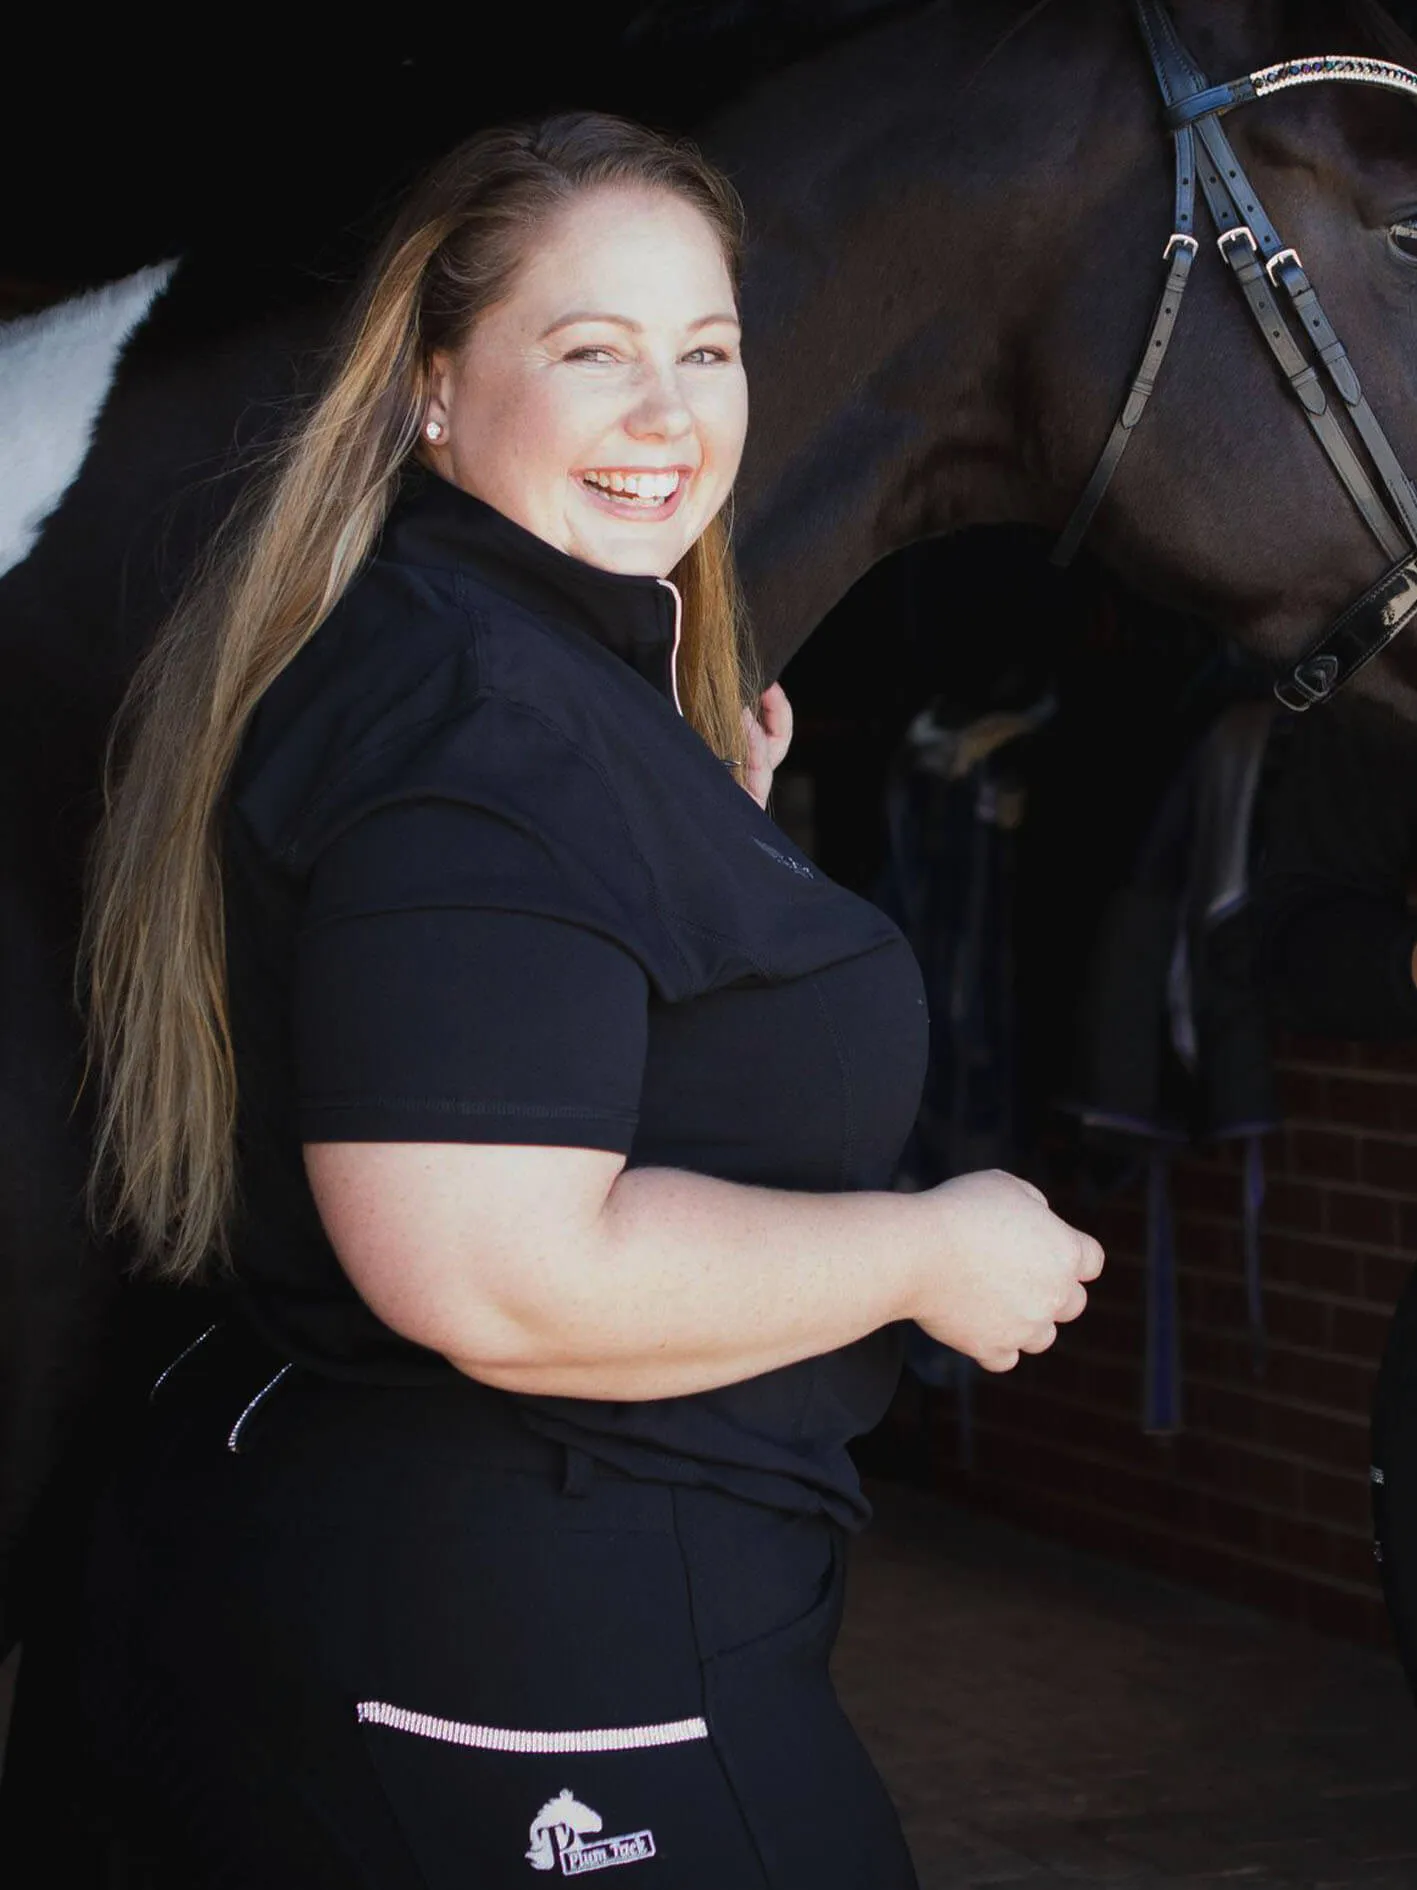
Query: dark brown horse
{"x":957,"y":223}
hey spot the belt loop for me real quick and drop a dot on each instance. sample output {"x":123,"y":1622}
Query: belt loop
{"x":579,"y":1472}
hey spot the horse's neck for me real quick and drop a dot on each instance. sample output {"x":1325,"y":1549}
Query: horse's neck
{"x":898,"y":194}
{"x":955,"y":225}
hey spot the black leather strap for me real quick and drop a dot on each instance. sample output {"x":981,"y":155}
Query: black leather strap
{"x":1380,"y":614}
{"x":1181,"y":252}
{"x":1243,"y":256}
{"x":1215,"y":98}
{"x":1287,"y":270}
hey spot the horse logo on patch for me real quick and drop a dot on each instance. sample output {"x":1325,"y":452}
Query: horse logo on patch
{"x":559,"y":1832}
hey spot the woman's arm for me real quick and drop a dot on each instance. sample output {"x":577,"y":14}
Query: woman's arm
{"x":559,"y":1271}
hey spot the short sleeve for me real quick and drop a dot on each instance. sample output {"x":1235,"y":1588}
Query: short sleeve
{"x":451,"y":986}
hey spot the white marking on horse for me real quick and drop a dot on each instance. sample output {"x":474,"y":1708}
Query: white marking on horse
{"x":56,"y":370}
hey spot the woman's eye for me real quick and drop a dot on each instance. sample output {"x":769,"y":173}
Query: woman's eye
{"x":707,"y":356}
{"x":1403,"y":237}
{"x":590,"y":354}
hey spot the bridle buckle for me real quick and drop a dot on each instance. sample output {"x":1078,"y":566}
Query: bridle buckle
{"x":1277,"y":258}
{"x":1179,"y":240}
{"x":1229,"y":236}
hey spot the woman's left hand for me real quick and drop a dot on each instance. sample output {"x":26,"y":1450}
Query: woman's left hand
{"x":769,"y":737}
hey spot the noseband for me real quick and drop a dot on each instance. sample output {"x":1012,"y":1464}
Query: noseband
{"x":1266,"y":268}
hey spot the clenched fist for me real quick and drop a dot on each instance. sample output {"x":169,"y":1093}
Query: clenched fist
{"x":1004,"y":1271}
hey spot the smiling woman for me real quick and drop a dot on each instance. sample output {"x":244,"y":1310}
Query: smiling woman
{"x":541,"y":1099}
{"x":603,"y":405}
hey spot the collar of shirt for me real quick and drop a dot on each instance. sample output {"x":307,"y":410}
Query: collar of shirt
{"x":434,"y":522}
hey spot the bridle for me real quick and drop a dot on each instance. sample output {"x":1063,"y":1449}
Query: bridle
{"x":1265,"y":267}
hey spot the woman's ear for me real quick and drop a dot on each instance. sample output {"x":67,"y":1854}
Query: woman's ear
{"x":434,"y":425}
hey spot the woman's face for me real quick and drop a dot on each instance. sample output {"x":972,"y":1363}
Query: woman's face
{"x":603,"y":404}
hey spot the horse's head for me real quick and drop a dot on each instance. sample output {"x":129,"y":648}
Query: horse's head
{"x":1226,"y":503}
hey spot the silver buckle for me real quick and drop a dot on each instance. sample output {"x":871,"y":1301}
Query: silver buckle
{"x":1278,"y":257}
{"x":1227,"y":236}
{"x":1178,"y":240}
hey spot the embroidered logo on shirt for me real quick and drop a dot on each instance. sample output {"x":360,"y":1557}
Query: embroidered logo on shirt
{"x":559,"y":1832}
{"x":785,"y":859}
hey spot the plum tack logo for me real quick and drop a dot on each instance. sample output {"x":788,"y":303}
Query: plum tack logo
{"x":558,"y":1836}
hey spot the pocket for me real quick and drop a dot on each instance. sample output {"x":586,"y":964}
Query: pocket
{"x":789,"y":1750}
{"x":497,"y":1804}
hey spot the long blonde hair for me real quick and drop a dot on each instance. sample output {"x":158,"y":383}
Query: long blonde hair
{"x":153,"y":946}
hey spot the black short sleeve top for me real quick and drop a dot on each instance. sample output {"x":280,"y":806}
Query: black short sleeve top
{"x":485,"y":883}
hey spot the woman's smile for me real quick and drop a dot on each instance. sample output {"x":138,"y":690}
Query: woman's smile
{"x":648,"y":495}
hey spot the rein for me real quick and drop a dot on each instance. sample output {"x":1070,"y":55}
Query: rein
{"x":1264,"y":268}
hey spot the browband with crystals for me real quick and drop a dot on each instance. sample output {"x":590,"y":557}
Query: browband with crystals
{"x":1322,"y":69}
{"x":1347,"y":66}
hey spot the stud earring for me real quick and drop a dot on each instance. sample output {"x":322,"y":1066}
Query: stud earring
{"x":434,"y":429}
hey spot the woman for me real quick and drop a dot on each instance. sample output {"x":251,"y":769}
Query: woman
{"x":542,"y":1097}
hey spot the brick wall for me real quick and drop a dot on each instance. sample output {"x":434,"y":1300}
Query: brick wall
{"x":1264,"y":1495}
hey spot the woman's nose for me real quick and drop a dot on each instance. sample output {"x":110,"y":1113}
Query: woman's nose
{"x":663,"y":412}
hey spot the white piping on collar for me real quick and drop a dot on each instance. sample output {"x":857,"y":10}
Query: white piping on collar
{"x":678,"y":632}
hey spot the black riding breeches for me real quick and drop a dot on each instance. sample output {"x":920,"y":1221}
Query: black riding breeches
{"x":393,"y":1641}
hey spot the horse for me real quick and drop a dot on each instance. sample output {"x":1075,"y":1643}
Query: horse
{"x":958,"y":219}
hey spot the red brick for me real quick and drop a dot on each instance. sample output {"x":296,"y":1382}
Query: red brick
{"x":1359,"y":1332}
{"x":1179,"y":1507}
{"x":1296,"y":1319}
{"x":1115,"y":1223}
{"x":1407,"y":1226}
{"x":1197,"y":1190}
{"x":1354,"y":1617}
{"x":1223,"y":1304}
{"x":1320,"y":1436}
{"x":1294,"y":1204}
{"x":1302,"y":1545}
{"x":1399,"y":1057}
{"x":1315,"y":1379}
{"x":1324,"y":1154}
{"x":1338,"y":1497}
{"x":1384,"y":1277}
{"x":1353,"y":1560}
{"x":1105,"y":1332}
{"x":1404,"y":1107}
{"x":1110,"y":1387}
{"x":1388,"y":1164}
{"x":1222,"y":1411}
{"x":1364,"y":1101}
{"x":1370,"y":1218}
{"x":1220,"y":1356}
{"x":1320,"y":1266}
{"x":1208,"y":1243}
{"x":1236,"y":1471}
{"x":1240,"y":1525}
{"x":1303,"y":1093}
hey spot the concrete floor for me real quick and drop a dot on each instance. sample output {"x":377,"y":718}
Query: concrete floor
{"x":1046,"y":1719}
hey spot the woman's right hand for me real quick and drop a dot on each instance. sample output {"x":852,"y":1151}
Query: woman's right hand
{"x":1005,"y":1271}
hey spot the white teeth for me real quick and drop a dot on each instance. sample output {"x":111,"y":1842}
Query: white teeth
{"x":651,"y":488}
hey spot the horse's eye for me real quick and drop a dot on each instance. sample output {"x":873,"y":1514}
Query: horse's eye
{"x":1403,"y":237}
